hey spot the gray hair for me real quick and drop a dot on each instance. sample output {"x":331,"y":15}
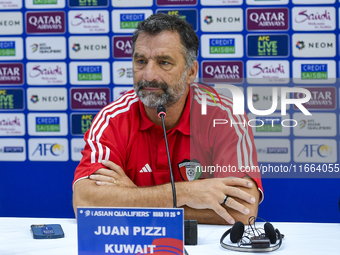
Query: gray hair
{"x":157,"y":23}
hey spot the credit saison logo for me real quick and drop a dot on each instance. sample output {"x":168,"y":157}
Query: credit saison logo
{"x":268,"y":124}
{"x":7,"y":48}
{"x":47,"y":124}
{"x":45,"y":22}
{"x":11,"y":99}
{"x":90,"y":73}
{"x":126,"y":21}
{"x":131,"y":20}
{"x":222,"y":46}
{"x":267,"y":45}
{"x":314,"y":18}
{"x":82,"y":22}
{"x":48,"y":2}
{"x":267,"y":19}
{"x":314,"y":71}
{"x":11,"y":73}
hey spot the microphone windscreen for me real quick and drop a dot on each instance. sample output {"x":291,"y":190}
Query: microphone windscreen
{"x":161,"y":110}
{"x":236,"y":232}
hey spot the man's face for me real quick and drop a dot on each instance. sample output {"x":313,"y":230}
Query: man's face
{"x":160,"y":76}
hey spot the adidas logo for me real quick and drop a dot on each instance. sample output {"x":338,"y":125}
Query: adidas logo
{"x":146,"y":169}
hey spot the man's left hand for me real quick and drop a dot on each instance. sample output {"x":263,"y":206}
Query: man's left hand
{"x":113,"y":175}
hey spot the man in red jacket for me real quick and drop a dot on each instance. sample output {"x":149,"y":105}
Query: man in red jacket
{"x":125,"y":163}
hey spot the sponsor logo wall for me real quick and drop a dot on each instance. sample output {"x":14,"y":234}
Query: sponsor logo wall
{"x":62,"y":61}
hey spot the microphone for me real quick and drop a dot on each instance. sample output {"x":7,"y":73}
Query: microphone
{"x":190,"y":232}
{"x":161,"y":112}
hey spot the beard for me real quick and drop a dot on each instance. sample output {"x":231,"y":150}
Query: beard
{"x":167,"y":96}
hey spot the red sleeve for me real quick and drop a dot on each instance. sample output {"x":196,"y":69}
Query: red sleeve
{"x":230,"y":141}
{"x":102,"y":142}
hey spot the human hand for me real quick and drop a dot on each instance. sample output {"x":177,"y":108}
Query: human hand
{"x":112,"y":175}
{"x":210,"y":194}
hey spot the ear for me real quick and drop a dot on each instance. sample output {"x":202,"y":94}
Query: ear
{"x":192,"y":72}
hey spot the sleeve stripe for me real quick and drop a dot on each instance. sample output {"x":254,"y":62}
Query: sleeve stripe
{"x":100,"y":119}
{"x":248,"y":159}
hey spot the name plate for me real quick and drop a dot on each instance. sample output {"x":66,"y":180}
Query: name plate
{"x":130,"y":231}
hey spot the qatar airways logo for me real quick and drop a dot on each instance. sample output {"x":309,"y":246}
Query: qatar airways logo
{"x":238,"y":100}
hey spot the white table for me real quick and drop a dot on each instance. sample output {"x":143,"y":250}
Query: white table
{"x":301,"y":238}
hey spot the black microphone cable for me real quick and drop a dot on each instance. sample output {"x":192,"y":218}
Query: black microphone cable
{"x":161,"y":112}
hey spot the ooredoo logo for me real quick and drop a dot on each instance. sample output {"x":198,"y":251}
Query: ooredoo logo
{"x":45,"y":22}
{"x":267,"y":19}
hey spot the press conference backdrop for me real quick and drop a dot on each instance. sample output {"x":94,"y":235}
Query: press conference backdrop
{"x":61,"y":61}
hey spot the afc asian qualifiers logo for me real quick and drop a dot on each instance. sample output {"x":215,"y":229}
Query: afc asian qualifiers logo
{"x":190,"y":170}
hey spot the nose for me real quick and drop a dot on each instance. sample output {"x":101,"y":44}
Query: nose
{"x":150,"y":72}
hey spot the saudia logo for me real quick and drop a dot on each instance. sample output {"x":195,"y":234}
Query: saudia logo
{"x":258,"y":69}
{"x":37,"y":71}
{"x":305,"y":16}
{"x":79,"y":19}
